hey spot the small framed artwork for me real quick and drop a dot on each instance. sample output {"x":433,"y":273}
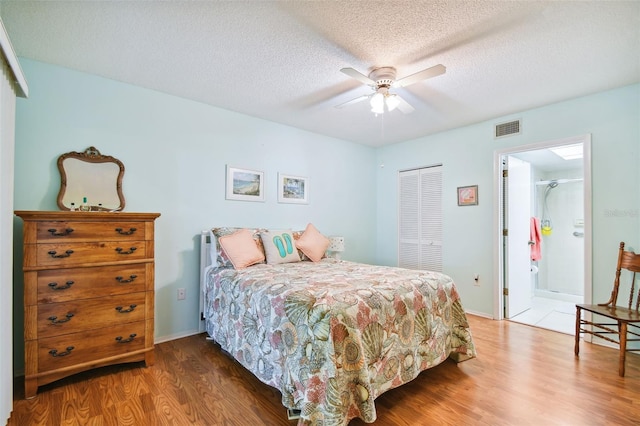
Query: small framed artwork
{"x":468,"y":195}
{"x":293,"y":189}
{"x":244,"y":185}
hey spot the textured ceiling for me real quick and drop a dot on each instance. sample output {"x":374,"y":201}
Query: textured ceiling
{"x":281,"y":61}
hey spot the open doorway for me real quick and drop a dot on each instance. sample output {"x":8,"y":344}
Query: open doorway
{"x":544,"y":228}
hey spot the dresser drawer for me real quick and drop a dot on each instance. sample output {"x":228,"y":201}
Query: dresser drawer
{"x":72,"y":349}
{"x":70,"y":317}
{"x":68,"y":254}
{"x":61,"y":285}
{"x":56,"y":231}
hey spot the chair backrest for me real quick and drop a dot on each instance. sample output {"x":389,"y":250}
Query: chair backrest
{"x":627,"y":260}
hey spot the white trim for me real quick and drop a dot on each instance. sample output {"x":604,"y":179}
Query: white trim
{"x":21,"y":88}
{"x":478,"y":314}
{"x":498,"y":306}
{"x":176,"y":336}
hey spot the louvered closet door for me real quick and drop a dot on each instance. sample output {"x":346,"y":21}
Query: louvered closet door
{"x":420,"y":219}
{"x":409,"y":217}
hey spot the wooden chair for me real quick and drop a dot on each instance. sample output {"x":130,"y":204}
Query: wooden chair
{"x":620,"y":321}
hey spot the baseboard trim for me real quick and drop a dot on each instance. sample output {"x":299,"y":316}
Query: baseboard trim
{"x":168,"y":338}
{"x":479,"y":314}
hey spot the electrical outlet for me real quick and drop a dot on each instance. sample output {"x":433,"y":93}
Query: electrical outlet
{"x":182,"y":294}
{"x":476,"y":279}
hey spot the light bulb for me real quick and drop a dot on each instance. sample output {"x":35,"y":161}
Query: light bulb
{"x":378,"y":109}
{"x":377,"y":103}
{"x":392,"y":102}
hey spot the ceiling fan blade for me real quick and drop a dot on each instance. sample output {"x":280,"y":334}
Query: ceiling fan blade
{"x":353,"y":101}
{"x":404,"y":106}
{"x":358,"y":76}
{"x":421,"y":75}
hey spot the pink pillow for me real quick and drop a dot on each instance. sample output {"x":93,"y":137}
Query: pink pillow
{"x":241,"y":249}
{"x":312,"y":243}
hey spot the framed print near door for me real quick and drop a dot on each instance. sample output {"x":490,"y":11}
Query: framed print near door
{"x":468,"y":195}
{"x":293,"y":189}
{"x":244,"y":185}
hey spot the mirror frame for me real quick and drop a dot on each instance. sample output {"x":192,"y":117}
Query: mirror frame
{"x":90,"y":155}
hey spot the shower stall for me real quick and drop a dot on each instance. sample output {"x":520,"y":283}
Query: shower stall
{"x":559,"y":205}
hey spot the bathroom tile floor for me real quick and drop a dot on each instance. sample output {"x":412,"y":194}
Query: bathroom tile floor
{"x":556,"y":315}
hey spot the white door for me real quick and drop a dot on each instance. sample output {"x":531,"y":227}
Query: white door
{"x":517,"y":191}
{"x":420,"y":219}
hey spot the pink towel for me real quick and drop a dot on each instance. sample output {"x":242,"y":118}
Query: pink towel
{"x":535,"y":239}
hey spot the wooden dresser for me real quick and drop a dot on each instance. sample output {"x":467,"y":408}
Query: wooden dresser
{"x":88,"y":292}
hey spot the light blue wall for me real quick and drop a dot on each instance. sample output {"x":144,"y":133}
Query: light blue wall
{"x":467,"y":154}
{"x":175,"y":151}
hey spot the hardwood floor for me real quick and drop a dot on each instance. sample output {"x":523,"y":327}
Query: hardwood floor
{"x":522,"y":376}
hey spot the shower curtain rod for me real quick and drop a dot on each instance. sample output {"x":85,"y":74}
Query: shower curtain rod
{"x":547,"y":182}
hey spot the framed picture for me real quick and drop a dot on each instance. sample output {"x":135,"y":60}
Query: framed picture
{"x":244,"y":185}
{"x":468,"y":195}
{"x":293,"y":189}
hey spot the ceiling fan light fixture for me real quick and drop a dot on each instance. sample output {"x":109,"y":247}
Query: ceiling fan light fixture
{"x":377,"y":103}
{"x":378,"y":109}
{"x":383,"y":78}
{"x":392,"y":102}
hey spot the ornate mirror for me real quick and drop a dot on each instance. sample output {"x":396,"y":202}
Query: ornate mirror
{"x":92,"y":175}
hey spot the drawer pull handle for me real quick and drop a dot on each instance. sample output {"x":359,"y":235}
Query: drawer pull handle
{"x":129,"y":232}
{"x":54,"y":286}
{"x":55,"y":320}
{"x":55,"y":232}
{"x":129,"y":280}
{"x":124,"y":311}
{"x":131,"y":250}
{"x":54,"y":352}
{"x":67,"y":253}
{"x":130,"y":339}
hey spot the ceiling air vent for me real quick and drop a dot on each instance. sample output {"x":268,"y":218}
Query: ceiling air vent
{"x":507,"y":129}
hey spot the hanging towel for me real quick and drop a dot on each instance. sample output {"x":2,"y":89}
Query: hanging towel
{"x":535,"y":239}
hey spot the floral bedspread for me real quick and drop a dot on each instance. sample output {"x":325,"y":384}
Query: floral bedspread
{"x":334,"y":335}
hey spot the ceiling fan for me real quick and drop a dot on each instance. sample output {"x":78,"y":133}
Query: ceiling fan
{"x":384,"y":78}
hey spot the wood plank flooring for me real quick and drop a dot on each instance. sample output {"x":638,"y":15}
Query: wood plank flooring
{"x":522,"y":376}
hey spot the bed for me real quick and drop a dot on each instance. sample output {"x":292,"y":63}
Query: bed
{"x":330,"y":335}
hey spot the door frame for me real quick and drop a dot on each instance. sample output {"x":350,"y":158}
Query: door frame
{"x":498,"y":267}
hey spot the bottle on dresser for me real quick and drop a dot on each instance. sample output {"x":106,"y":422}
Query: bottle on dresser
{"x":84,"y":206}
